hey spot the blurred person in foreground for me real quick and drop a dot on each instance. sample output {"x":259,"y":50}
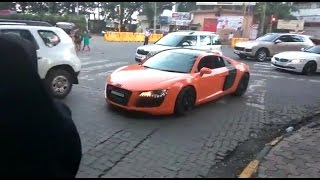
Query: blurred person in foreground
{"x":38,"y":137}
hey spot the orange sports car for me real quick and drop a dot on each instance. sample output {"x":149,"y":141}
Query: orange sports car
{"x":175,"y":81}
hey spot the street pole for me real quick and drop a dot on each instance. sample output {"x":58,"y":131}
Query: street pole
{"x":77,"y":8}
{"x":119,"y":18}
{"x":155,"y":18}
{"x":263,"y":19}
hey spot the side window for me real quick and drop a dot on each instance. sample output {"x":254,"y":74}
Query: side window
{"x":212,"y":62}
{"x":25,"y":34}
{"x":215,"y":40}
{"x":49,"y":38}
{"x":205,"y":40}
{"x":191,"y":40}
{"x":296,"y":38}
{"x":286,"y":38}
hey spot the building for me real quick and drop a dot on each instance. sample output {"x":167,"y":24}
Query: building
{"x":224,"y":18}
{"x":310,"y":13}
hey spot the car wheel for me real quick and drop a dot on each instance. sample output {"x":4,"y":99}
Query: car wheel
{"x":185,"y":101}
{"x":262,"y":55}
{"x":243,"y":85}
{"x":59,"y":82}
{"x":241,"y":56}
{"x":310,"y":68}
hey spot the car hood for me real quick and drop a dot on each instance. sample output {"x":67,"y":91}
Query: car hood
{"x":296,"y":55}
{"x":139,"y":78}
{"x":154,"y":47}
{"x":250,"y":44}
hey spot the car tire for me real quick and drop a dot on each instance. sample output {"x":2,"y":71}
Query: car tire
{"x":243,"y":85}
{"x":62,"y":78}
{"x":185,"y":101}
{"x":310,"y":68}
{"x":241,"y":56}
{"x":262,"y":54}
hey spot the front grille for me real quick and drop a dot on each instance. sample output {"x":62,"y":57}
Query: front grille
{"x":118,"y":99}
{"x":281,"y":59}
{"x":248,"y":50}
{"x":149,"y":102}
{"x":288,"y":67}
{"x":239,"y":48}
{"x":142,"y":52}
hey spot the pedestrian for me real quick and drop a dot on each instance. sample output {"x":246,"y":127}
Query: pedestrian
{"x":147,"y":34}
{"x":231,"y":35}
{"x":78,"y":40}
{"x":38,"y":137}
{"x":86,"y":40}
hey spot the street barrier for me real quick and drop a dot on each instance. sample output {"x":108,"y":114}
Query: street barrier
{"x":129,"y":37}
{"x":234,"y":41}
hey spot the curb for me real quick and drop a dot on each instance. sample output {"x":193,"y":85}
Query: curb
{"x":253,"y":165}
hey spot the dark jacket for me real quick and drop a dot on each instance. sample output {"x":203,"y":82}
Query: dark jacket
{"x":37,"y":135}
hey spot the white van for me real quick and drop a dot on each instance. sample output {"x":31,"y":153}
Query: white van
{"x":58,"y":63}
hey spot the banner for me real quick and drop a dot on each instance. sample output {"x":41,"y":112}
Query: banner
{"x":181,"y":18}
{"x":230,"y":22}
{"x":297,"y":25}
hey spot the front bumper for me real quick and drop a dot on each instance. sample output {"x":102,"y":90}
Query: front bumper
{"x":287,"y":66}
{"x":246,"y":52}
{"x":139,"y":57}
{"x":132,"y":102}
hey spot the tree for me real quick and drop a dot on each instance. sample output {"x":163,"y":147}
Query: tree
{"x":281,"y":10}
{"x":186,"y":6}
{"x":6,"y":5}
{"x":148,"y":9}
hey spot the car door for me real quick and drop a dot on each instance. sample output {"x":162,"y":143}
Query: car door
{"x":210,"y":84}
{"x":283,"y":45}
{"x":300,"y":41}
{"x":295,"y":43}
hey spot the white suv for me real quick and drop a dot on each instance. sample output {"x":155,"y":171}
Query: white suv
{"x":190,"y":39}
{"x":58,"y":63}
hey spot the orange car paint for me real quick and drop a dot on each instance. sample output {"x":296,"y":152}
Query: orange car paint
{"x":137,"y":79}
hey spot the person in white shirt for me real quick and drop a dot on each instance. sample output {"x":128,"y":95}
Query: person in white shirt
{"x":147,"y":34}
{"x":230,"y":37}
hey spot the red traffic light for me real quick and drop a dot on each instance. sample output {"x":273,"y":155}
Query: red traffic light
{"x":273,"y":18}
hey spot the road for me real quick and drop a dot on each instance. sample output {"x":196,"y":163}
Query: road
{"x":122,"y":144}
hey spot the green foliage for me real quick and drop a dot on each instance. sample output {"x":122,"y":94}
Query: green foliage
{"x":187,"y":6}
{"x":80,"y":21}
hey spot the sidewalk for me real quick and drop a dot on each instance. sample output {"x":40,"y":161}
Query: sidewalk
{"x":296,"y":156}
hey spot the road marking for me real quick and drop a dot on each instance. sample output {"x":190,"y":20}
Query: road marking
{"x":259,"y":106}
{"x":93,"y":68}
{"x":284,"y":77}
{"x":94,"y":62}
{"x":262,"y":71}
{"x":250,"y":169}
{"x":93,"y":76}
{"x":262,"y":65}
{"x":84,"y":58}
{"x":315,"y":81}
{"x":265,"y":68}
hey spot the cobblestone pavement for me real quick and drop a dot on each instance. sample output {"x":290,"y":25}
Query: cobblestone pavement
{"x":119,"y":144}
{"x":296,"y":156}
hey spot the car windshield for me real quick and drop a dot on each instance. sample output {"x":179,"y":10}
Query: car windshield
{"x":314,"y":49}
{"x":171,"y":40}
{"x":172,"y":61}
{"x":267,"y":37}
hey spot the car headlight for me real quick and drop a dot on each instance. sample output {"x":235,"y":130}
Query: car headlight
{"x":154,"y":94}
{"x":151,"y":53}
{"x":296,"y":61}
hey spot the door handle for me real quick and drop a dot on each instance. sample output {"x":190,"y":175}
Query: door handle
{"x":39,"y":58}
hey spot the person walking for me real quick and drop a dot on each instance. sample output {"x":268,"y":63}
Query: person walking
{"x":78,"y":39}
{"x":38,"y":136}
{"x":147,"y":34}
{"x":86,"y":40}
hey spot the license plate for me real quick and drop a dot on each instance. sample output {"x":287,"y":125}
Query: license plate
{"x":117,"y":93}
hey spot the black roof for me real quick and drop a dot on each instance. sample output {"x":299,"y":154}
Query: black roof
{"x":28,"y":22}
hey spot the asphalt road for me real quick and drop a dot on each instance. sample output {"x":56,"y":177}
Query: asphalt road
{"x":122,"y":144}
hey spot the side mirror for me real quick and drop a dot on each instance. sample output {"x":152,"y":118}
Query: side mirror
{"x":205,"y":70}
{"x":278,"y":41}
{"x":185,"y":44}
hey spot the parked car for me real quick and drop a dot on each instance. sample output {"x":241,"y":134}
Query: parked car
{"x":270,"y":44}
{"x":191,"y":39}
{"x":175,"y":81}
{"x":58,"y":63}
{"x":306,"y":61}
{"x":68,"y":27}
{"x":27,"y":22}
